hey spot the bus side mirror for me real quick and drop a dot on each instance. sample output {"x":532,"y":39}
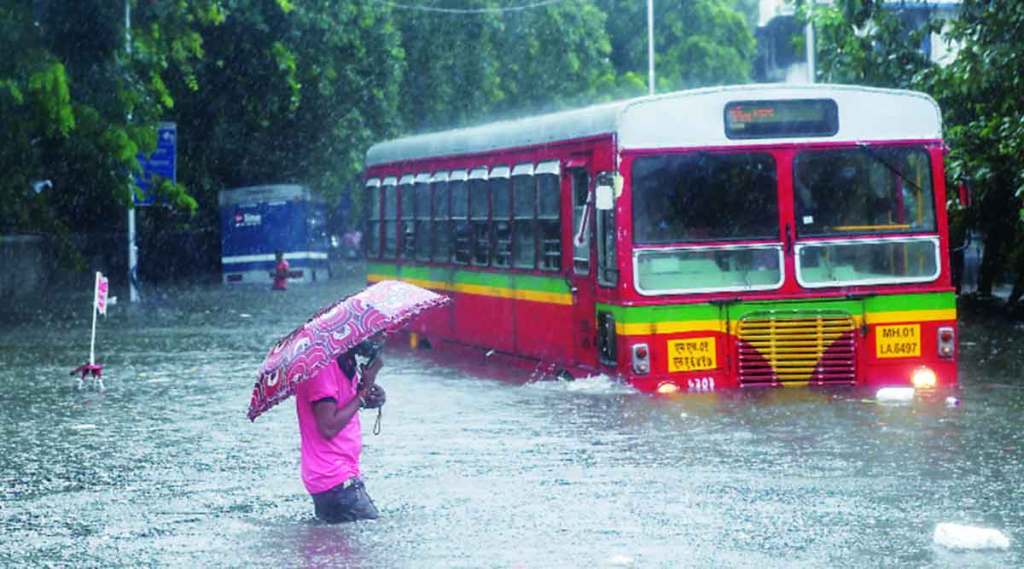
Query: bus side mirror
{"x":965,"y":194}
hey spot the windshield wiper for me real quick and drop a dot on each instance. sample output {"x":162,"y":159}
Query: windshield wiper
{"x":877,"y":157}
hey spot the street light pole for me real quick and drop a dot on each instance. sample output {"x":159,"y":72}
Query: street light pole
{"x":650,"y":47}
{"x":809,"y":40}
{"x":133,"y":251}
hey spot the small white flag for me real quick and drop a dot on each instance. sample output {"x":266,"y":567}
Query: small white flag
{"x":102,"y":287}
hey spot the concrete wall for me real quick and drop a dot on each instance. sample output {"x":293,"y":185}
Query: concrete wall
{"x":25,"y":265}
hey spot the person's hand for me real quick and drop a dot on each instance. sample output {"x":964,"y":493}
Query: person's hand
{"x":375,"y":398}
{"x":369,"y":376}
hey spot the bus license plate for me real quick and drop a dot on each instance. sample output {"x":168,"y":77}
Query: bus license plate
{"x":901,"y":341}
{"x":692,"y":354}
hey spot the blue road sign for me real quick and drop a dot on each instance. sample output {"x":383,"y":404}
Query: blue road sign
{"x":162,"y":162}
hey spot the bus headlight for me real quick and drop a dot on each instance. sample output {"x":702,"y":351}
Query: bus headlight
{"x":667,"y":388}
{"x":924,"y":378}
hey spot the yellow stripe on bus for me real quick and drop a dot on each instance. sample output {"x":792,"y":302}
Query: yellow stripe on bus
{"x":912,"y":316}
{"x":680,"y":327}
{"x":648,"y":328}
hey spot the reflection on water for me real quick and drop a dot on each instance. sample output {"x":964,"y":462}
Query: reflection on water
{"x":471,"y":469}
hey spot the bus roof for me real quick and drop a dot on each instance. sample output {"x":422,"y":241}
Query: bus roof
{"x":267,"y":193}
{"x":683,"y":119}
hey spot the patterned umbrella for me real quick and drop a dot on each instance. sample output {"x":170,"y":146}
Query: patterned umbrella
{"x":383,"y":307}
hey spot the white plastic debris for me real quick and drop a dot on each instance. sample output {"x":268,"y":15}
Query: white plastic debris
{"x":952,"y":401}
{"x":957,"y":536}
{"x":85,"y":427}
{"x":895,"y":394}
{"x":620,"y":560}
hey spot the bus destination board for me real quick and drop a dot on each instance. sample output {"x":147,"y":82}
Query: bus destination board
{"x":781,"y":119}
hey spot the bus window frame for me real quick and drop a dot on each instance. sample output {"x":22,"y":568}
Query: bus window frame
{"x":500,"y":174}
{"x":442,"y":226}
{"x":520,"y":173}
{"x":405,"y":251}
{"x":580,"y":265}
{"x":480,"y":227}
{"x":549,"y":223}
{"x":374,"y":216}
{"x":389,"y":186}
{"x":423,"y":225}
{"x":460,"y":179}
{"x":605,"y":236}
{"x":931,"y":238}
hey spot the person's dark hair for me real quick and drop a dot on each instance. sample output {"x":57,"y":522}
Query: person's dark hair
{"x":279,"y":254}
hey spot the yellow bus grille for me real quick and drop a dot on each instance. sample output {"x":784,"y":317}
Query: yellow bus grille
{"x":796,"y":348}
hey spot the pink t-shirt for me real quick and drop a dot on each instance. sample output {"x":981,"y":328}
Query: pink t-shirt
{"x":327,"y":462}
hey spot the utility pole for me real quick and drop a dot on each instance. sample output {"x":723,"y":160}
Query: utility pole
{"x":650,"y":47}
{"x":133,"y":251}
{"x":809,"y":40}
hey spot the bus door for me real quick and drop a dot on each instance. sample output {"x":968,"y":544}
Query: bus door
{"x":581,"y":270}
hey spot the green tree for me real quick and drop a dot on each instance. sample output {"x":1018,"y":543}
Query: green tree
{"x":980,"y":93}
{"x":466,"y":67}
{"x":697,"y":43}
{"x":78,"y":107}
{"x":868,"y":43}
{"x":290,"y":92}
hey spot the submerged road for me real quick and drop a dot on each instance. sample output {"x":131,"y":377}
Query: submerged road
{"x":163,"y":468}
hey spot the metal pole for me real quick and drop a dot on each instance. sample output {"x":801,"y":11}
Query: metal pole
{"x":809,"y":40}
{"x":133,"y":251}
{"x":650,"y":47}
{"x":92,"y":343}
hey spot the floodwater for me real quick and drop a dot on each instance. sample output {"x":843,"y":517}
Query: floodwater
{"x":472,"y":469}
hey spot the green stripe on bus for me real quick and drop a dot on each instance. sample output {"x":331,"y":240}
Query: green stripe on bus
{"x":708,"y":311}
{"x":383,"y":269}
{"x":552,"y":284}
{"x":662,"y":313}
{"x":902,"y":302}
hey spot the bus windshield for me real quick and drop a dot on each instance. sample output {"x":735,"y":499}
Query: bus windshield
{"x":863,"y":190}
{"x":704,"y":197}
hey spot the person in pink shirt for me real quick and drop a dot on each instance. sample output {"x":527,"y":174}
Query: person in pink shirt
{"x":328,"y":409}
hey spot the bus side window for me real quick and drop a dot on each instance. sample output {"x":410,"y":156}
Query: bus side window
{"x":479,"y":214}
{"x":580,"y":192}
{"x":501,"y":210}
{"x":424,"y":231}
{"x":524,"y":220}
{"x":390,"y":219}
{"x":442,"y":222}
{"x":407,"y":212}
{"x":549,"y":222}
{"x":373,"y":226}
{"x":607,"y":270}
{"x":461,"y":236}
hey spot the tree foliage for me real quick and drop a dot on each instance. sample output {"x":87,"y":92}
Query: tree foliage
{"x":863,"y":41}
{"x":290,"y":92}
{"x":697,"y":43}
{"x":78,"y":107}
{"x":269,"y":91}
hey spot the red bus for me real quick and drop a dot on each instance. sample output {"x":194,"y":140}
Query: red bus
{"x":701,"y":240}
